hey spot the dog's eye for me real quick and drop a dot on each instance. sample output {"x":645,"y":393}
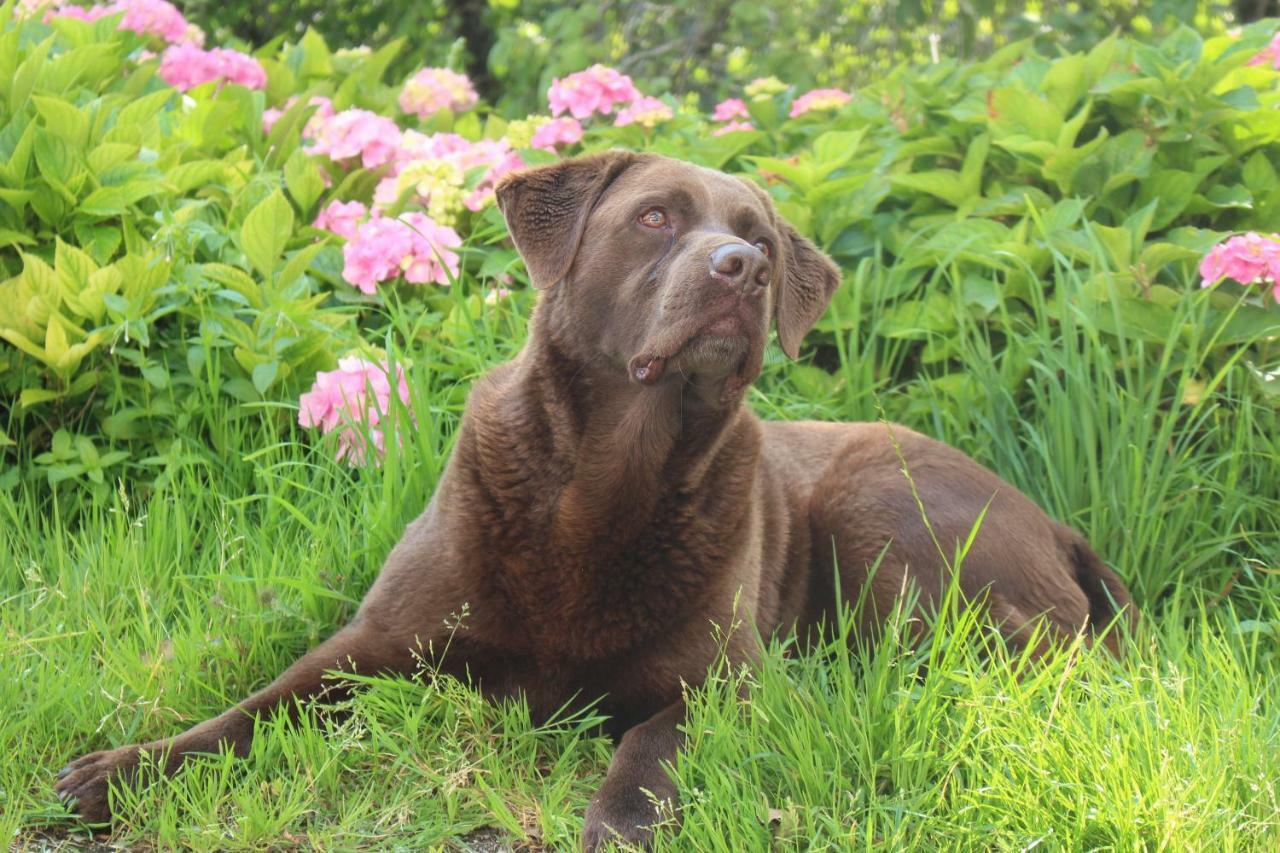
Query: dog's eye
{"x":654,"y":217}
{"x":764,"y":248}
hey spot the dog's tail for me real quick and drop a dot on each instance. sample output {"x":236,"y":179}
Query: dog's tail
{"x":1111,"y":607}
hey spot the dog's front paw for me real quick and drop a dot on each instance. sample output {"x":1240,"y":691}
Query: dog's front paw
{"x":83,"y":785}
{"x":626,"y":818}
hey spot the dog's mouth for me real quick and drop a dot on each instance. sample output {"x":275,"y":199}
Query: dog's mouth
{"x":719,"y":347}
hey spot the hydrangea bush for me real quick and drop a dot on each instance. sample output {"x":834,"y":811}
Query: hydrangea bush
{"x":182,"y":222}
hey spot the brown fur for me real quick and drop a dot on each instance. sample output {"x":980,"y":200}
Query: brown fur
{"x":610,"y":501}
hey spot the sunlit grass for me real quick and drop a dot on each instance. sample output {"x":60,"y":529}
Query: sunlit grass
{"x":131,"y":617}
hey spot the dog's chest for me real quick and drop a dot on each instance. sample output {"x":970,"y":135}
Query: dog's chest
{"x":615,"y":591}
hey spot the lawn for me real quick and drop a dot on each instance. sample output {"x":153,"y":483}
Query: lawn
{"x":128,"y":617}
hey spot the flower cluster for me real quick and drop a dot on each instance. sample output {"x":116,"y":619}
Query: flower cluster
{"x":353,"y":399}
{"x":1269,"y":55}
{"x":324,"y":111}
{"x":543,"y":132}
{"x":1247,"y":258}
{"x":597,"y":90}
{"x":434,"y":89}
{"x":731,"y":109}
{"x":819,"y":99}
{"x":730,"y":112}
{"x":437,"y":184}
{"x":764,"y":87}
{"x":557,"y":131}
{"x":494,"y":156}
{"x":519,"y":133}
{"x":145,"y":17}
{"x":645,"y":111}
{"x":411,"y":245}
{"x":185,"y":66}
{"x":341,"y":217}
{"x":361,"y":134}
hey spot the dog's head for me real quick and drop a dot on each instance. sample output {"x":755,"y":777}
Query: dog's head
{"x":662,"y":269}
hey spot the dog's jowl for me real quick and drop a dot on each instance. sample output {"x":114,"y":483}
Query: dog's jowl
{"x":610,"y":500}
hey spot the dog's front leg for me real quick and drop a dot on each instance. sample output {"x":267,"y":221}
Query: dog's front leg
{"x":637,"y":792}
{"x":84,"y":783}
{"x":405,"y":615}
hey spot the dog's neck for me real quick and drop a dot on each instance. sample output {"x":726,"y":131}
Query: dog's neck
{"x":620,"y":447}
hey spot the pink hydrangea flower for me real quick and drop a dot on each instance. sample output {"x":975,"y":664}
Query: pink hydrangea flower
{"x":1269,"y":55}
{"x":341,"y":217}
{"x":733,"y":127}
{"x":154,"y":17}
{"x":185,"y":66}
{"x":353,"y":399}
{"x":494,"y":156}
{"x":374,"y":139}
{"x":411,"y":245}
{"x":324,"y":110}
{"x":434,"y":89}
{"x":644,"y":111}
{"x":1247,"y":258}
{"x":145,"y":17}
{"x":88,"y":14}
{"x":731,"y":109}
{"x":819,"y":99}
{"x":558,"y":131}
{"x":596,"y":90}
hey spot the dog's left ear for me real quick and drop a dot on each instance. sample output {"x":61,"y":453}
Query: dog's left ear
{"x":547,"y":208}
{"x":809,"y":278}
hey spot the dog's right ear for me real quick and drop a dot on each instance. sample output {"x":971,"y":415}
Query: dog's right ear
{"x":547,"y":208}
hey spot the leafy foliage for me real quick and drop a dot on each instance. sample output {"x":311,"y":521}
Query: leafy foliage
{"x":158,"y":257}
{"x":513,"y":48}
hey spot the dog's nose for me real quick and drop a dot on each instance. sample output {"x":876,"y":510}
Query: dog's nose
{"x":740,"y":265}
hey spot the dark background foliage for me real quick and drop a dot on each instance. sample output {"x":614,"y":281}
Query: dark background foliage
{"x":512,"y":48}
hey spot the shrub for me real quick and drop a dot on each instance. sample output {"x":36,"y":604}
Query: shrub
{"x":164,"y":277}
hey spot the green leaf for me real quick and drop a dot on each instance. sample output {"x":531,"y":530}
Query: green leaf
{"x":1222,"y":195}
{"x":835,"y":148}
{"x":63,"y":119}
{"x":918,"y":318}
{"x":156,"y":375}
{"x":302,"y":177}
{"x":197,"y":173}
{"x":1156,"y":256}
{"x":1066,"y":82}
{"x":108,"y":155}
{"x":265,"y":232}
{"x":802,"y":176}
{"x":34,"y":396}
{"x":1173,"y":188}
{"x":946,"y":184}
{"x":264,"y":374}
{"x":14,"y":238}
{"x":24,"y":79}
{"x":1259,"y":174}
{"x":299,"y":264}
{"x":316,"y":59}
{"x":142,"y":110}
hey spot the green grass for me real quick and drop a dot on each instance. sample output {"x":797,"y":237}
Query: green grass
{"x":131,"y":617}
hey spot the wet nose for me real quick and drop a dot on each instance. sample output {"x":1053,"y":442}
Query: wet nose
{"x":740,"y":265}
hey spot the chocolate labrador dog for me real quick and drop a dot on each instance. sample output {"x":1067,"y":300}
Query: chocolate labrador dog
{"x":610,"y":501}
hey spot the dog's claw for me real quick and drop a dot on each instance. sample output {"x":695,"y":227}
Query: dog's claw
{"x":64,"y":772}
